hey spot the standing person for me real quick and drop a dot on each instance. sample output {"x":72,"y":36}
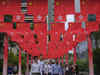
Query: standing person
{"x":70,"y":69}
{"x":46,"y":68}
{"x":15,"y":69}
{"x":35,"y":67}
{"x":10,"y":69}
{"x":73,"y":69}
{"x":61,"y":69}
{"x":76,"y":69}
{"x":41,"y":62}
{"x":55,"y":68}
{"x":66,"y":69}
{"x":50,"y":68}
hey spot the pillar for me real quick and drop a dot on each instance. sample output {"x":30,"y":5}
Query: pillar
{"x":67,"y":58}
{"x":62,"y":61}
{"x":59,"y":60}
{"x":19,"y":71}
{"x":75,"y":56}
{"x":27,"y":65}
{"x":90,"y":57}
{"x":31,"y":59}
{"x":5,"y":61}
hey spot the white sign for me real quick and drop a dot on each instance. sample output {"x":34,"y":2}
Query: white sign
{"x":70,"y":18}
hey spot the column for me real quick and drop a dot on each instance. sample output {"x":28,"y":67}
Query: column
{"x":67,"y":55}
{"x":27,"y":65}
{"x":19,"y":72}
{"x":90,"y":57}
{"x":5,"y":61}
{"x":75,"y":56}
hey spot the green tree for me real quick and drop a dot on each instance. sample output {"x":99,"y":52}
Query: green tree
{"x":97,"y":37}
{"x":97,"y":61}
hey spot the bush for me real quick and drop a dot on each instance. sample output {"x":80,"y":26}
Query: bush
{"x":1,"y":66}
{"x":14,"y":60}
{"x":83,"y":65}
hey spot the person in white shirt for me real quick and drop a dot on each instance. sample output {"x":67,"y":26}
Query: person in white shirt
{"x":35,"y":67}
{"x":50,"y":69}
{"x":41,"y":62}
{"x":46,"y":69}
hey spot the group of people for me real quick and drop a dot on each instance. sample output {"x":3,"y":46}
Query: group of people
{"x":52,"y":67}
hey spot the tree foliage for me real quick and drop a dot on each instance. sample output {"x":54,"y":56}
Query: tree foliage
{"x":97,"y":61}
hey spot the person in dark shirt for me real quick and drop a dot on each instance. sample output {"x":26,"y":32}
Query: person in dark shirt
{"x":70,"y":69}
{"x":66,"y":69}
{"x":10,"y":69}
{"x":76,"y":69}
